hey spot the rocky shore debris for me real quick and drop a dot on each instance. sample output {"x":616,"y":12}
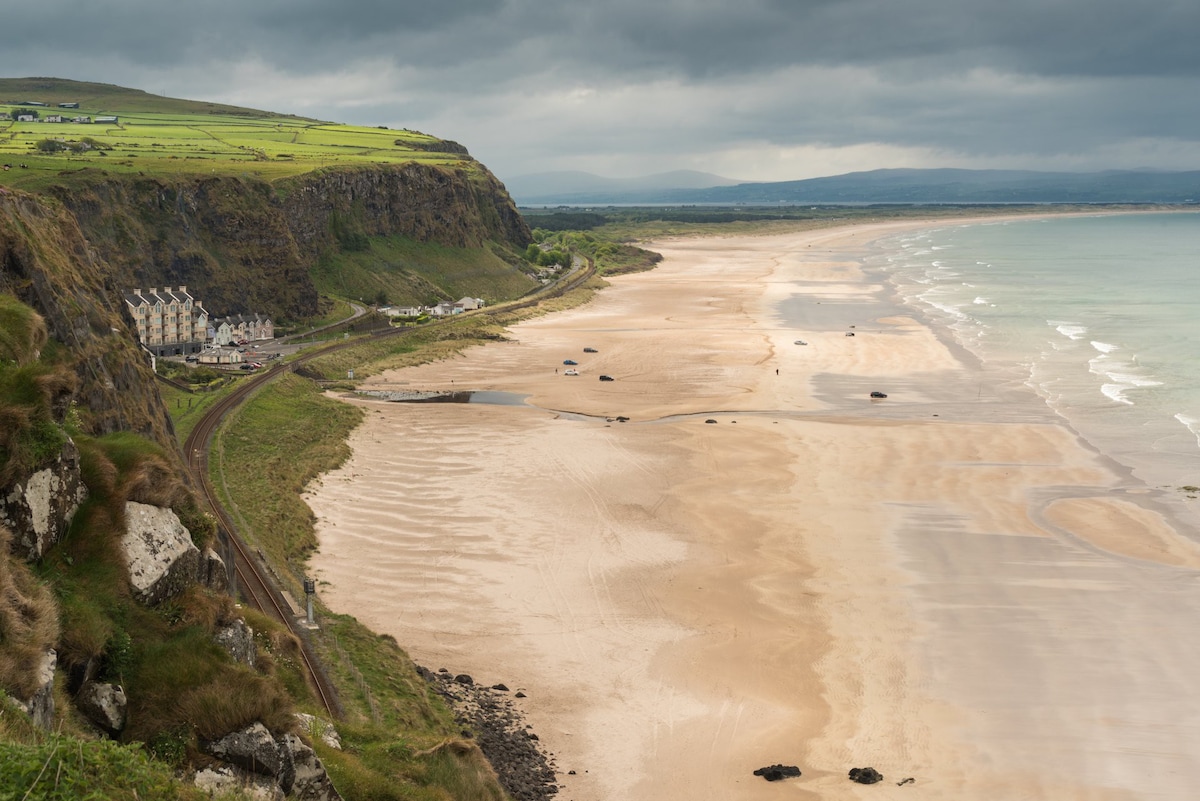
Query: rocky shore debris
{"x":865,"y":775}
{"x":775,"y":773}
{"x":489,"y":716}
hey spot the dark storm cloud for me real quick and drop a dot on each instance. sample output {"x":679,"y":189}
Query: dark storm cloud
{"x":564,"y":83}
{"x":687,"y":37}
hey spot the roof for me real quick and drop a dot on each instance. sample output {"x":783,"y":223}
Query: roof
{"x":166,"y":295}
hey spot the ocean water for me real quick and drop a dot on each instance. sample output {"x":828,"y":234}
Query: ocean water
{"x":1099,"y":315}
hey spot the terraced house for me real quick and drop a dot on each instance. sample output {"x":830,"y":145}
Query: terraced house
{"x":169,"y":322}
{"x":239,"y":328}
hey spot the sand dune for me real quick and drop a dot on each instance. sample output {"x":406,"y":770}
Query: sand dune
{"x":946,"y":585}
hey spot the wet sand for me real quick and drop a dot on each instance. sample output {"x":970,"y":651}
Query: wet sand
{"x":946,"y":584}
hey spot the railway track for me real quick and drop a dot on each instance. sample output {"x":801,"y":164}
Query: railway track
{"x":251,"y":578}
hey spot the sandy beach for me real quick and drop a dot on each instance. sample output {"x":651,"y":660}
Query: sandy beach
{"x":946,"y":584}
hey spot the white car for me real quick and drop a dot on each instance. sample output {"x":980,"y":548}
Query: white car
{"x":571,"y":371}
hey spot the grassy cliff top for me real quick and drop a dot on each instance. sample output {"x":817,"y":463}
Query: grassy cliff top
{"x":167,"y":136}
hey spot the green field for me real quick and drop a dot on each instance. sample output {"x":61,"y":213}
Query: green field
{"x":185,"y":137}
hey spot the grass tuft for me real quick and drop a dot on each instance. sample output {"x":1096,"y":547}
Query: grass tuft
{"x":29,"y":624}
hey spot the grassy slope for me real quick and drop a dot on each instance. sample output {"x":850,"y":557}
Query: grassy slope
{"x":77,"y":600}
{"x":400,"y":741}
{"x":408,"y":272}
{"x":168,"y":136}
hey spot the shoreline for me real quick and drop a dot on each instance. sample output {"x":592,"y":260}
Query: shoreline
{"x":684,"y":603}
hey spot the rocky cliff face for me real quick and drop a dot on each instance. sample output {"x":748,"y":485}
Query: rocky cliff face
{"x":239,"y":244}
{"x":428,"y":204}
{"x":243,"y":245}
{"x":47,"y":263}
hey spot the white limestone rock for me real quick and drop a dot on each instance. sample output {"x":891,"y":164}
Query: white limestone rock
{"x":38,"y":509}
{"x":238,"y":640}
{"x":318,"y":728}
{"x":253,"y":749}
{"x":40,"y":705}
{"x":103,"y":704}
{"x":227,"y":779}
{"x":309,"y":782}
{"x":162,"y":559}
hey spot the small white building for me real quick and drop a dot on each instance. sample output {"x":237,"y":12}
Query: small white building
{"x":402,"y":311}
{"x":444,"y":309}
{"x":220,"y":356}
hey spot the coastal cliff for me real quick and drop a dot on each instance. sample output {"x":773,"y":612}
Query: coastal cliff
{"x":48,"y":264}
{"x":127,"y":670}
{"x":243,"y":245}
{"x":114,"y":615}
{"x":240,"y":245}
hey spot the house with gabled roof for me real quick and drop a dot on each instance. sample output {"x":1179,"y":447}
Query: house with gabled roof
{"x":169,"y":322}
{"x":241,"y":328}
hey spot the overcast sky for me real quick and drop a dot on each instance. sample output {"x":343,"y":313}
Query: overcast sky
{"x":748,"y":89}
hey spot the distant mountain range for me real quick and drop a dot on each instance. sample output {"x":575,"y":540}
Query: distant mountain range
{"x":876,"y":186}
{"x":573,"y":183}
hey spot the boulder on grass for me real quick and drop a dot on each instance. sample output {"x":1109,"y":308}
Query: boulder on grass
{"x":38,"y":509}
{"x":159,"y":552}
{"x":103,"y":704}
{"x":253,"y":749}
{"x":238,"y":640}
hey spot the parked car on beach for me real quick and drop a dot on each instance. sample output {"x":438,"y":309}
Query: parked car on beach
{"x":572,"y":371}
{"x":570,"y":361}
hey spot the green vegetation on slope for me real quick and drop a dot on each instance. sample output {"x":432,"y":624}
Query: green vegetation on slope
{"x":401,"y":271}
{"x":399,"y":740}
{"x":278,"y":442}
{"x":167,"y":136}
{"x":71,"y":769}
{"x":77,"y":601}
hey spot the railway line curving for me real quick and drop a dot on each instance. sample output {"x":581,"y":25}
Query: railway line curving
{"x":250,"y":577}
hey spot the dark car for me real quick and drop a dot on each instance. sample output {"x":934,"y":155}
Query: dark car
{"x":570,"y":361}
{"x":590,"y":350}
{"x":878,"y":395}
{"x":607,"y":378}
